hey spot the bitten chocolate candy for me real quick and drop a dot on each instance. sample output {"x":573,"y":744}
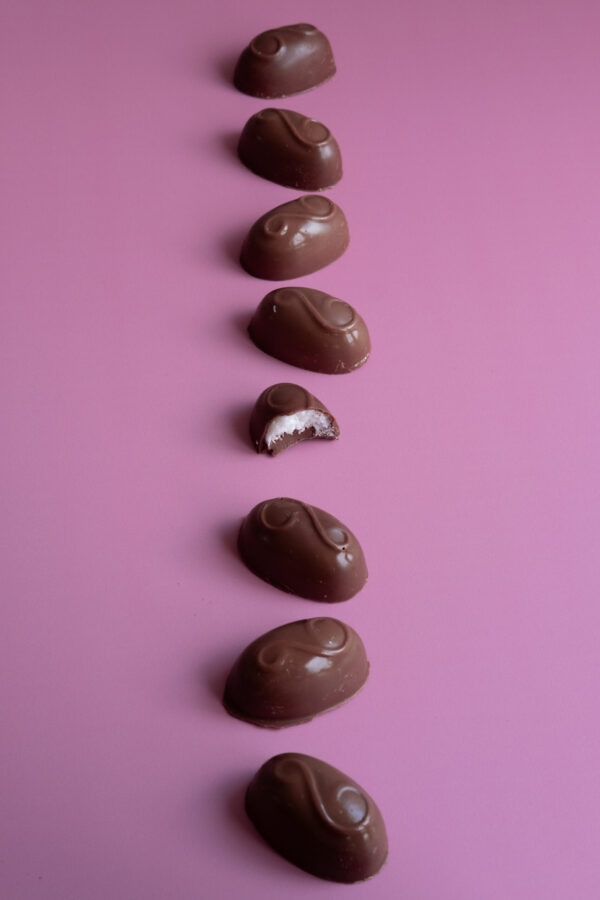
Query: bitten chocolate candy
{"x":295,"y":239}
{"x":286,"y":414}
{"x":302,"y":550}
{"x":284,"y":61}
{"x":317,"y":818}
{"x":310,"y":329}
{"x":296,"y":671}
{"x":290,"y":149}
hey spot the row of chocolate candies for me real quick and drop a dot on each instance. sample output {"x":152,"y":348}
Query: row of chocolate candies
{"x":275,"y":65}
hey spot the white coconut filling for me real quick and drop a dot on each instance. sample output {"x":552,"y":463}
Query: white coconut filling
{"x":300,"y":421}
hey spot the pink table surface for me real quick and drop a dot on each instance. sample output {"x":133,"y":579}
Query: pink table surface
{"x":468,"y":463}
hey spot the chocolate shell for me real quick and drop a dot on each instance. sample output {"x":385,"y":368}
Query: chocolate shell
{"x":290,"y":149}
{"x":284,"y":61}
{"x":303,"y":550}
{"x":286,"y":414}
{"x":295,"y":239}
{"x":317,"y":818}
{"x":310,"y":329}
{"x":295,"y":672}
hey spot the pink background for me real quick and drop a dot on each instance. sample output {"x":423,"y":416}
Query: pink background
{"x":468,"y":464}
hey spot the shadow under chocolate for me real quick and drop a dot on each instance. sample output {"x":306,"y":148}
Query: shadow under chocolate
{"x":228,"y":536}
{"x":210,"y":675}
{"x":240,"y":322}
{"x":232,"y":247}
{"x":229,"y":142}
{"x":225,"y":67}
{"x":239,"y":421}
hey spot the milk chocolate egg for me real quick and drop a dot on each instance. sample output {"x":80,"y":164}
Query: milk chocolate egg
{"x":284,"y":61}
{"x":303,"y":550}
{"x":290,"y":149}
{"x":295,"y":239}
{"x":295,"y":672}
{"x":311,"y":329}
{"x":317,"y":818}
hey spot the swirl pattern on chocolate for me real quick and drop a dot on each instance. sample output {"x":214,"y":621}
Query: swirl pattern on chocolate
{"x":284,"y":61}
{"x":290,"y":149}
{"x":352,"y":807}
{"x":271,"y":517}
{"x":278,"y":647}
{"x":285,"y":398}
{"x":328,"y":312}
{"x":303,"y":550}
{"x":300,"y":128}
{"x":317,"y":818}
{"x":269,"y":43}
{"x":311,"y":329}
{"x":295,"y":672}
{"x":295,"y":238}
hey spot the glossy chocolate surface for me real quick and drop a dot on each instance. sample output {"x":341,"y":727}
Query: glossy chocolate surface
{"x":290,"y":149}
{"x":284,"y":61}
{"x":295,"y":239}
{"x":295,"y":672}
{"x":317,"y":818}
{"x":286,"y":414}
{"x":303,"y":550}
{"x":310,"y":329}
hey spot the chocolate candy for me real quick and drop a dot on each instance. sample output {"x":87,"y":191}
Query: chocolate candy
{"x":296,"y":671}
{"x":284,"y":61}
{"x":302,"y":550}
{"x":310,"y":329}
{"x":290,"y":149}
{"x":317,"y":818}
{"x":286,"y":414}
{"x":295,"y":239}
